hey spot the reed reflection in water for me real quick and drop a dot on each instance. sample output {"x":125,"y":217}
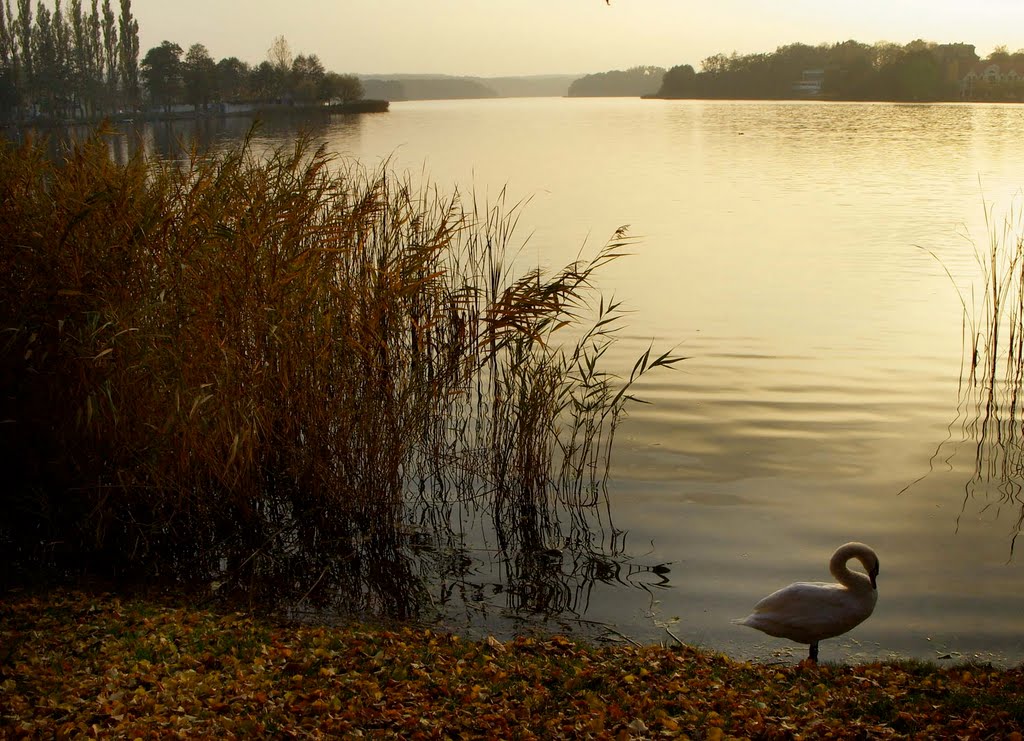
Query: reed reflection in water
{"x":489,"y":569}
{"x":990,"y":418}
{"x":472,"y":564}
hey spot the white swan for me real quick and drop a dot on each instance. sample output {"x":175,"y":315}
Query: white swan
{"x":808,"y":612}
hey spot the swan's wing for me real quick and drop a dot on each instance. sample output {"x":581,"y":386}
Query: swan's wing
{"x":810,"y":611}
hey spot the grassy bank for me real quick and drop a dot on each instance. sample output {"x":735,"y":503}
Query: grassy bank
{"x":73,"y":664}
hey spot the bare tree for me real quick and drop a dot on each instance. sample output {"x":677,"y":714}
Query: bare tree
{"x":280,"y":54}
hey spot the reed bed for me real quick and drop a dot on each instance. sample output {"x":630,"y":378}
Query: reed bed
{"x":250,"y":368}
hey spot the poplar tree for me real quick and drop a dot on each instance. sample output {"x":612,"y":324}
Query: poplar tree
{"x":86,"y":72}
{"x":6,"y":40}
{"x":63,"y":83}
{"x":79,"y":61}
{"x":44,"y":58}
{"x":8,"y":60}
{"x":23,"y":34}
{"x":95,"y":34}
{"x":128,"y":50}
{"x":109,"y":27}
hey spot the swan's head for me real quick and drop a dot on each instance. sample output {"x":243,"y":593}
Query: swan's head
{"x":873,"y":574}
{"x":870,"y":561}
{"x":862,"y":553}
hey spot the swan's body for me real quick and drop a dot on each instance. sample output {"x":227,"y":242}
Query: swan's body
{"x":808,"y":612}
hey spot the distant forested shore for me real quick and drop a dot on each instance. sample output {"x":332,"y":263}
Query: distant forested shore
{"x":80,"y":62}
{"x":918,"y":71}
{"x":633,"y":82}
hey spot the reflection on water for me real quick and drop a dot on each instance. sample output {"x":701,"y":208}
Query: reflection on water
{"x":989,"y":422}
{"x":174,"y":139}
{"x":987,"y":431}
{"x":471,"y":566}
{"x":989,"y":416}
{"x":780,"y":247}
{"x":553,"y":585}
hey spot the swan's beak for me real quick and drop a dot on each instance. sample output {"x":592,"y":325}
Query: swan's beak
{"x":874,"y":575}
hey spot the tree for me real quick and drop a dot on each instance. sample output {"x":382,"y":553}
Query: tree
{"x":344,"y":88}
{"x":999,"y":55}
{"x":44,"y":60}
{"x":8,"y":52}
{"x":306,"y":76}
{"x":849,"y":71}
{"x":679,"y":82}
{"x":886,"y":53}
{"x":232,"y":79}
{"x":920,"y":76}
{"x":109,"y":27}
{"x":715,"y":64}
{"x":280,"y":54}
{"x":9,"y":66}
{"x":128,"y":53}
{"x":103,"y":94}
{"x":63,"y":89}
{"x":14,"y":82}
{"x":8,"y":93}
{"x":80,"y":64}
{"x":6,"y":41}
{"x":265,"y":81}
{"x":854,"y":80}
{"x":24,"y":36}
{"x":199,"y":74}
{"x":161,"y":73}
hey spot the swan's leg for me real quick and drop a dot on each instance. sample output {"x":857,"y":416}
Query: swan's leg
{"x":814,"y":652}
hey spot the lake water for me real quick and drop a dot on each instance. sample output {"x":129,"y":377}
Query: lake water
{"x":784,"y":248}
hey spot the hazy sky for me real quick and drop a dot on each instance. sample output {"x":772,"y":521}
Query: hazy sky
{"x":519,"y":37}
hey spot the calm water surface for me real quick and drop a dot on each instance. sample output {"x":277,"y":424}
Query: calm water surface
{"x":782,"y":247}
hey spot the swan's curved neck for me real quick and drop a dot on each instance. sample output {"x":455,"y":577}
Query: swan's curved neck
{"x":842,"y":574}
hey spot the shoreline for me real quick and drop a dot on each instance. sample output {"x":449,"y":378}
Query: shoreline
{"x":76,"y":663}
{"x":257,"y":111}
{"x":825,"y":99}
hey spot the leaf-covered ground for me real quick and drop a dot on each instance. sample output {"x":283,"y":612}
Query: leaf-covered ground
{"x":79,"y":665}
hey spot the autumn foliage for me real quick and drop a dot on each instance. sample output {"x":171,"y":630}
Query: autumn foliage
{"x":73,"y":665}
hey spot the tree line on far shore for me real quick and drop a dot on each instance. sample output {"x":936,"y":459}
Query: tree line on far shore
{"x":635,"y":81}
{"x":173,"y":77}
{"x":850,"y":70}
{"x":78,"y":62}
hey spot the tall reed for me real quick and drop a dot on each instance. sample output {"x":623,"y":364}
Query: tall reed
{"x":252,"y":365}
{"x":992,"y":370}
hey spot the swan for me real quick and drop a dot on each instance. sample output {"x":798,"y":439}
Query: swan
{"x":808,"y":612}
